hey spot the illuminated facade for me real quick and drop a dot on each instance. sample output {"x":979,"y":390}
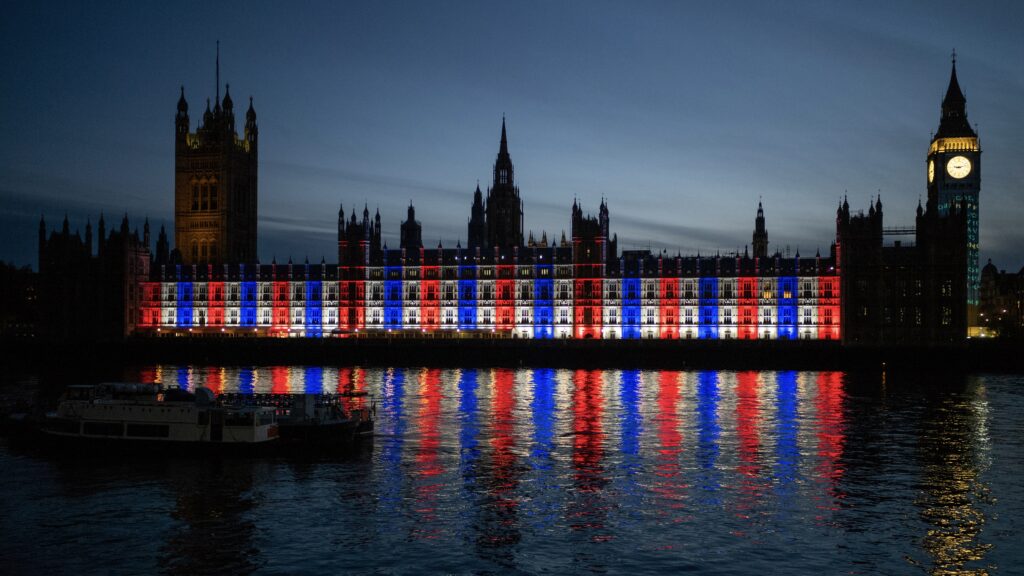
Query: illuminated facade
{"x":580,"y":289}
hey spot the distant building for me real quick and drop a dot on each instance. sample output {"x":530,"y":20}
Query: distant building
{"x":1001,"y":303}
{"x":19,"y":310}
{"x":91,"y":295}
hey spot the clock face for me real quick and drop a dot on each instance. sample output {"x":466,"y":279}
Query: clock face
{"x":958,"y":166}
{"x":931,"y":171}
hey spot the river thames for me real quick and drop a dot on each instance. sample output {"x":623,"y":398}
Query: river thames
{"x":553,"y":471}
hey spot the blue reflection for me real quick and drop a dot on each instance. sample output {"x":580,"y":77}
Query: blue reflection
{"x":246,"y":381}
{"x":543,"y":407}
{"x":392,"y":392}
{"x":708,"y":430}
{"x":630,"y":418}
{"x":182,"y":378}
{"x":313,"y":380}
{"x":787,"y":452}
{"x":469,"y":430}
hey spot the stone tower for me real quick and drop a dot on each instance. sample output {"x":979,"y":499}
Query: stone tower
{"x":953,"y":167}
{"x":215,"y":193}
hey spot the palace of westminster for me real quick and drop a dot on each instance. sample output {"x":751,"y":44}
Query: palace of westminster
{"x":865,"y":290}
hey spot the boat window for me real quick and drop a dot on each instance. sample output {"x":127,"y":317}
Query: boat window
{"x":64,"y":426}
{"x":102,"y":428}
{"x":149,"y":430}
{"x":244,"y":419}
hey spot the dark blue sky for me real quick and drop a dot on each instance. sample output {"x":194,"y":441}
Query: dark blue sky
{"x":682,"y":115}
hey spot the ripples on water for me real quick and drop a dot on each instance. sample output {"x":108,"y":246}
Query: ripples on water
{"x":501,"y":471}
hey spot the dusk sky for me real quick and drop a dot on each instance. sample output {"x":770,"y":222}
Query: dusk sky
{"x":682,"y":115}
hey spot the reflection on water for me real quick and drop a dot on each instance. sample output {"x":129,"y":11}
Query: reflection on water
{"x":538,"y":469}
{"x":954,"y":452}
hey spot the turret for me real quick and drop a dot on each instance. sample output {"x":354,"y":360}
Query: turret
{"x":162,"y":252}
{"x":477,"y":234}
{"x":760,"y":237}
{"x":181,"y":121}
{"x":251,"y":132}
{"x":42,"y":239}
{"x":101,"y":235}
{"x":411,"y":232}
{"x":228,"y":106}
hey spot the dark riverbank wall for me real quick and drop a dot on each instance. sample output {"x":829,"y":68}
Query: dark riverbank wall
{"x":1001,"y":356}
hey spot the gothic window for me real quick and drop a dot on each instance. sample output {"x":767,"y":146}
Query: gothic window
{"x":213,"y":196}
{"x":213,"y":251}
{"x":204,"y":197}
{"x":503,"y":176}
{"x":195,"y":196}
{"x":195,"y":250}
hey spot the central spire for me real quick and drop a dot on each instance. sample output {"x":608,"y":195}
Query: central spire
{"x":503,"y":172}
{"x":504,"y":139}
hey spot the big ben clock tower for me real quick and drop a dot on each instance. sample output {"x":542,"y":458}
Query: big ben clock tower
{"x":954,"y":177}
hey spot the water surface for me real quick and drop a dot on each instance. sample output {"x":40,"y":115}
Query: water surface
{"x":556,"y":471}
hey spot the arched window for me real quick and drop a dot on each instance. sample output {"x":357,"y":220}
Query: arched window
{"x":204,"y":197}
{"x":213,"y":195}
{"x":195,"y":251}
{"x":195,"y":195}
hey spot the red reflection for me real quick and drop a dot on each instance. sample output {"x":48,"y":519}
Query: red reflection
{"x":148,"y":375}
{"x":830,"y":430}
{"x":588,"y":445}
{"x":352,"y":385}
{"x":670,"y":440}
{"x":215,"y":380}
{"x":427,"y":465}
{"x":748,"y":422}
{"x":588,"y":513}
{"x":503,"y":440}
{"x":279,"y":380}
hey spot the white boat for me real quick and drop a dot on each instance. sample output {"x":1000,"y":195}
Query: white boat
{"x":131,"y":414}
